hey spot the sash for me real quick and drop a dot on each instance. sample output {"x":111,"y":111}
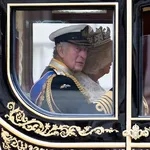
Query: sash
{"x":37,"y":87}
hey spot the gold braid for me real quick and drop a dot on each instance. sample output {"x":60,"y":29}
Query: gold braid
{"x":49,"y":97}
{"x":81,"y":88}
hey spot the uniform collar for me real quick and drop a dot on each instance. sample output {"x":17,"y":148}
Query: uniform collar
{"x":59,"y":66}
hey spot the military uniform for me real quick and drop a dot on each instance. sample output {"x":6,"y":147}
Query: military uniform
{"x":59,"y":91}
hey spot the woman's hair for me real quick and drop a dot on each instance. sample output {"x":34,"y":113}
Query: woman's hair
{"x":98,"y":58}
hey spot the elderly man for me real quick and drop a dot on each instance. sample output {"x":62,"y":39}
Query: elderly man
{"x":58,"y":90}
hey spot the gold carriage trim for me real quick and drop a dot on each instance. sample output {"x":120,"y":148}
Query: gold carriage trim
{"x":18,"y":118}
{"x":10,"y":142}
{"x":135,"y":133}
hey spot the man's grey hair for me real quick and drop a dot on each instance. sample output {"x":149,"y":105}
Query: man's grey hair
{"x":61,"y":44}
{"x":55,"y":53}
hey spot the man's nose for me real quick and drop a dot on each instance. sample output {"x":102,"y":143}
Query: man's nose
{"x":83,"y":53}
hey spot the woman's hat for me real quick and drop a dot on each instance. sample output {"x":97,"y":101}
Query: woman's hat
{"x":100,"y":37}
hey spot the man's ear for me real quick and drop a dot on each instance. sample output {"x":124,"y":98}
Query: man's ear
{"x":60,"y":51}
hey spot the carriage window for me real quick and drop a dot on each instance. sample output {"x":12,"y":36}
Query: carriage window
{"x":64,"y":59}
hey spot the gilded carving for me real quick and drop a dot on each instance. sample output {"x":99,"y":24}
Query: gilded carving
{"x":9,"y":141}
{"x":147,"y":129}
{"x":18,"y":118}
{"x":135,"y":133}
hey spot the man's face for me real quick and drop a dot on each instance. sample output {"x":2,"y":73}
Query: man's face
{"x":74,"y":57}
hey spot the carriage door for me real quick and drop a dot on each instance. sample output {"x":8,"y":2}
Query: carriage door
{"x":120,"y":119}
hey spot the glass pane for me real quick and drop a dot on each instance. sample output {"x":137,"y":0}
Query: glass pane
{"x":64,"y":60}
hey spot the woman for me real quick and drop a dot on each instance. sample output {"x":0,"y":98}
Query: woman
{"x":98,"y":63}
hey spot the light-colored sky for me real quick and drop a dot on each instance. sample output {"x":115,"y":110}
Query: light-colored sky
{"x":43,"y":49}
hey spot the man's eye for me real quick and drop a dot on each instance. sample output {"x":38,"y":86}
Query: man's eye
{"x":78,"y":49}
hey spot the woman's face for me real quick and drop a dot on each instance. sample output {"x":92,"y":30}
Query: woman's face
{"x":107,"y":68}
{"x":103,"y":71}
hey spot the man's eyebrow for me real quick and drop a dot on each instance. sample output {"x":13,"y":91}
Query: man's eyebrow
{"x":84,"y":47}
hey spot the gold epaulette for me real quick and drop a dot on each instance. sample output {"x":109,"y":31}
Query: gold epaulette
{"x":105,"y":103}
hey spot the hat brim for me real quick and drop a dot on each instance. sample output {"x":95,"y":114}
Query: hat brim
{"x":80,"y":42}
{"x":68,"y":29}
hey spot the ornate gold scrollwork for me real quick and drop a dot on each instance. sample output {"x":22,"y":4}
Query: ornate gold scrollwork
{"x":18,"y":118}
{"x":136,"y":132}
{"x":10,"y":141}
